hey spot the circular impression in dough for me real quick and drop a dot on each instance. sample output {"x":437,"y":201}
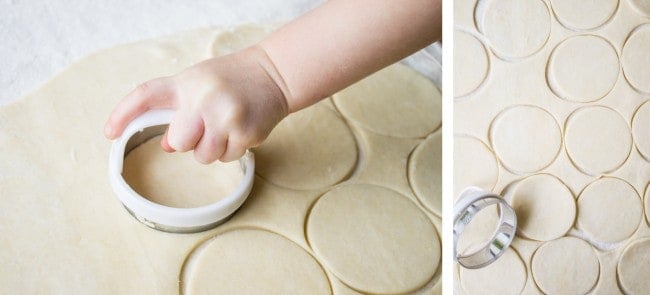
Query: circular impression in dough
{"x":597,"y":139}
{"x":609,"y":210}
{"x":373,"y":239}
{"x":545,"y":207}
{"x":479,"y":231}
{"x":396,"y":101}
{"x":582,"y":68}
{"x":514,"y":28}
{"x":634,"y":266}
{"x":507,"y":275}
{"x":245,"y":261}
{"x":238,"y":39}
{"x":471,"y":63}
{"x":584,"y":14}
{"x":641,"y":130}
{"x":636,"y":64}
{"x":310,"y":149}
{"x":425,"y":172}
{"x":525,"y":138}
{"x":176,"y":179}
{"x":565,"y":266}
{"x":474,"y":164}
{"x":642,"y":6}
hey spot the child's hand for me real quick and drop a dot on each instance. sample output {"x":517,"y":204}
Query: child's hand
{"x":223,"y":105}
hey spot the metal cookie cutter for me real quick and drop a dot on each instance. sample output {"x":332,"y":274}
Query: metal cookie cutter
{"x":471,"y":201}
{"x":160,"y":217}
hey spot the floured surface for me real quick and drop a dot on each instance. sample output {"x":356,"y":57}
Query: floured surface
{"x":589,"y":77}
{"x":61,"y":221}
{"x":156,"y":175}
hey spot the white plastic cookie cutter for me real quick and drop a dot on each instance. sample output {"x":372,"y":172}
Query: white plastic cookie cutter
{"x":160,"y":217}
{"x":471,"y":201}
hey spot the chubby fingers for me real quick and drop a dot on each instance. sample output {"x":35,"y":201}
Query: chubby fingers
{"x":184,"y":131}
{"x":211,"y":146}
{"x":156,"y":93}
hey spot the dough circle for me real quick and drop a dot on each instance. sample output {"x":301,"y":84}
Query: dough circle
{"x":415,"y":103}
{"x":609,"y":210}
{"x":474,"y":164}
{"x":642,"y":7}
{"x":525,"y":138}
{"x":641,"y":130}
{"x":597,"y":139}
{"x":545,"y":207}
{"x":310,"y":149}
{"x":565,"y":266}
{"x":471,"y":63}
{"x":490,"y":279}
{"x":373,"y":239}
{"x":634,"y":266}
{"x":636,"y":64}
{"x":583,"y":68}
{"x":245,"y":261}
{"x":514,"y":28}
{"x":584,"y":14}
{"x":176,"y":179}
{"x":425,"y":172}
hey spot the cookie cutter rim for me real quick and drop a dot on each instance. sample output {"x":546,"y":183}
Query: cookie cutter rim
{"x":471,"y":201}
{"x":165,"y":218}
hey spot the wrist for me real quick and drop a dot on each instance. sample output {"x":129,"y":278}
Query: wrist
{"x":275,"y":78}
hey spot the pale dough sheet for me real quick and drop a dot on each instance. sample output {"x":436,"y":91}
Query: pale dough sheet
{"x":551,"y":111}
{"x":62,"y":230}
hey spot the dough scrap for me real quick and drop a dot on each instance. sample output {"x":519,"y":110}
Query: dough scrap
{"x":176,"y":179}
{"x":414,"y":103}
{"x":584,"y":14}
{"x":636,"y":64}
{"x":545,"y":207}
{"x":597,"y":139}
{"x":583,"y":68}
{"x":514,"y":28}
{"x":565,"y":266}
{"x":362,"y":232}
{"x":489,"y":280}
{"x":310,"y":149}
{"x":641,"y":129}
{"x":609,"y":210}
{"x":471,"y":63}
{"x":246,"y":261}
{"x":525,"y":138}
{"x":634,"y":266}
{"x":425,"y":172}
{"x":474,"y":164}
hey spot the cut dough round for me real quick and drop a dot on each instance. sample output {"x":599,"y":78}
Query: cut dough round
{"x":471,"y":63}
{"x":525,"y":138}
{"x":373,"y":239}
{"x":634,"y":266}
{"x":415,"y":103}
{"x":583,"y":68}
{"x":565,"y":266}
{"x":514,"y":28}
{"x":597,"y":139}
{"x":177,"y":180}
{"x":474,"y":164}
{"x":245,"y":261}
{"x":425,"y":172}
{"x":636,"y":64}
{"x":507,"y":275}
{"x":545,"y":207}
{"x":309,"y":149}
{"x":642,"y":6}
{"x":584,"y":14}
{"x":609,"y":210}
{"x":641,"y":129}
{"x":238,"y":39}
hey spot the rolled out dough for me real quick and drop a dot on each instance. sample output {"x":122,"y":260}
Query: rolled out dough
{"x":471,"y":63}
{"x":176,"y":179}
{"x":565,"y":266}
{"x":584,"y":14}
{"x":488,"y":280}
{"x":636,"y":63}
{"x":425,"y":172}
{"x":474,"y":164}
{"x":640,"y":132}
{"x":362,"y":232}
{"x":634,"y":266}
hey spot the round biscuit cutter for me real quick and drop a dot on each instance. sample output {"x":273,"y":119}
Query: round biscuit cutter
{"x":165,"y":218}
